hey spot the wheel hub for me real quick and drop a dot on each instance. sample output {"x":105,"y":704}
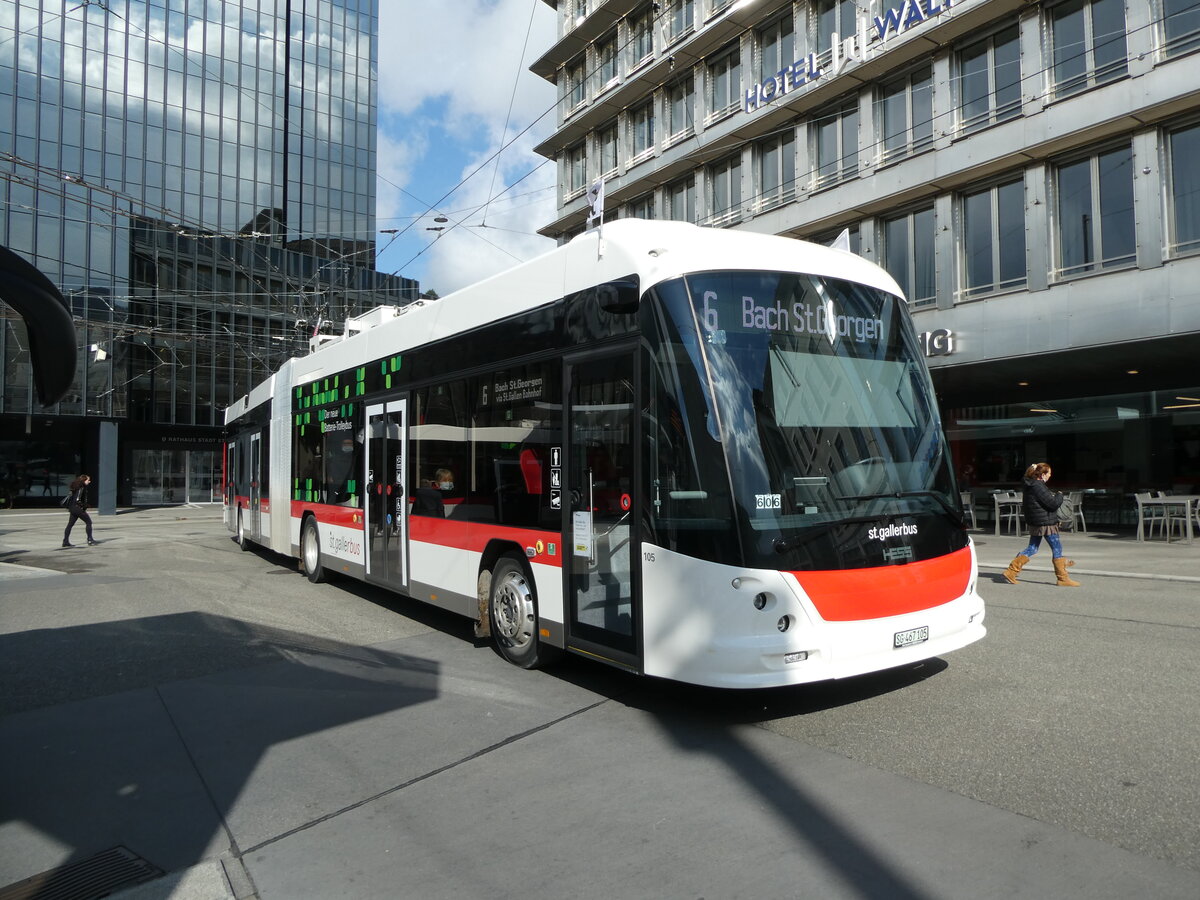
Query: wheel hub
{"x":514,"y":611}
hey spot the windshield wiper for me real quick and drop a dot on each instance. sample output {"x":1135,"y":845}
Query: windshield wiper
{"x":955,"y":514}
{"x":783,"y":545}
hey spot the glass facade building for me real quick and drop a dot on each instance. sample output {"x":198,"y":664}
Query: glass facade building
{"x":198,"y":179}
{"x":1024,"y":170}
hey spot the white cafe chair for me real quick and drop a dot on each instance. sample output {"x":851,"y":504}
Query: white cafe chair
{"x":1009,"y":514}
{"x":1149,"y":517}
{"x":1077,"y":520}
{"x":968,"y":505}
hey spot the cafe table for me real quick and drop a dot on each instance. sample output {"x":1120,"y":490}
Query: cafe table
{"x":1189,"y":503}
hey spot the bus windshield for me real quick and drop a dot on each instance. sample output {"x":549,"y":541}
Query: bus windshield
{"x":814,"y":393}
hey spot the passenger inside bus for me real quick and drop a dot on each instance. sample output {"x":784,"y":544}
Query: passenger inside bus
{"x":428,"y":500}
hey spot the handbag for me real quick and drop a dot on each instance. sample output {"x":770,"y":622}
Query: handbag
{"x":1066,"y":512}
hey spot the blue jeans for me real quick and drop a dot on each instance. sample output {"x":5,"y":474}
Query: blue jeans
{"x":1036,"y":541}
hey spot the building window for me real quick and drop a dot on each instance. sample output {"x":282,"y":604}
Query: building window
{"x":1089,"y":43}
{"x":833,"y":17}
{"x":641,"y":131}
{"x":724,"y":84}
{"x":776,"y":170}
{"x":905,"y":114}
{"x":681,"y":199}
{"x":1181,"y":26}
{"x":641,"y":208}
{"x":725,"y":191}
{"x":575,"y":84}
{"x":1184,"y":150}
{"x":776,"y":47}
{"x":715,"y":6}
{"x":680,"y":18}
{"x":641,"y":36}
{"x":606,"y":145}
{"x":606,"y":62}
{"x":993,"y":239}
{"x":835,"y":139}
{"x":576,"y":179}
{"x":1095,"y":213}
{"x":989,"y":80}
{"x":681,"y":106}
{"x":908,"y":255}
{"x":575,"y":11}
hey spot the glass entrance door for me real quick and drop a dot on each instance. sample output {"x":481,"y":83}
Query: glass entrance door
{"x":603,"y":612}
{"x":165,"y":477}
{"x":387,"y":504}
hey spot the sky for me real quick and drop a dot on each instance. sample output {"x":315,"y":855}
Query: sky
{"x":449,"y":70}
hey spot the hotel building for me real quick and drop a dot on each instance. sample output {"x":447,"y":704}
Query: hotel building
{"x":1027,"y":171}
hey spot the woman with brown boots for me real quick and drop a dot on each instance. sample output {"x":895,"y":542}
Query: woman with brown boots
{"x":1041,"y":515}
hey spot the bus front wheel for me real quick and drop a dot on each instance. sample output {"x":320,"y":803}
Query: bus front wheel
{"x":310,"y":551}
{"x":513,"y":613}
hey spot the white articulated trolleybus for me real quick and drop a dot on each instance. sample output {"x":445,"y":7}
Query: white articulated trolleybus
{"x":697,"y":454}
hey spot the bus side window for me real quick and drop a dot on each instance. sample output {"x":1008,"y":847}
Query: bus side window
{"x":308,"y":469}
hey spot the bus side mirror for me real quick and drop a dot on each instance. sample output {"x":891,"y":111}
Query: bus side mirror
{"x":618,"y":296}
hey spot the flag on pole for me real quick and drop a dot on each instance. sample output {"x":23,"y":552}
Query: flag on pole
{"x":595,"y":200}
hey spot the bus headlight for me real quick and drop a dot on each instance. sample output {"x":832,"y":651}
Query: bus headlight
{"x":784,"y":623}
{"x":760,"y":600}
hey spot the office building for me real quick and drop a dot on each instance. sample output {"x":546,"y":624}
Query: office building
{"x":198,"y":179}
{"x":1025,"y":170}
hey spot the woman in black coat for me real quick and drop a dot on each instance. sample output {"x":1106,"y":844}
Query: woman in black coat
{"x":1041,"y":515}
{"x":76,"y":504}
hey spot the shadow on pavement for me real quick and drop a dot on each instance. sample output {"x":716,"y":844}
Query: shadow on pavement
{"x":113,"y":767}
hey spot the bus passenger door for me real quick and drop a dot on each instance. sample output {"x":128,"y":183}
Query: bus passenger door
{"x":254,"y":511}
{"x":386,"y":521}
{"x":603,"y":614}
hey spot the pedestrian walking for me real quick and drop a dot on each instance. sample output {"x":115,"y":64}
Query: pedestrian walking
{"x":1041,"y":515}
{"x":76,"y":504}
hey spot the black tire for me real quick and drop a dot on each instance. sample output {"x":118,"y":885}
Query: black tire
{"x":242,"y":540}
{"x":512,"y":610}
{"x":310,"y":552}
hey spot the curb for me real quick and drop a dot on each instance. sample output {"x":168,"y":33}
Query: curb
{"x":1078,"y":571}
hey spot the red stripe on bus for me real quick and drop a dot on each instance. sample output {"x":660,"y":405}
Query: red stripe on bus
{"x":853,"y":594}
{"x":475,"y":536}
{"x":471,"y":536}
{"x":328,"y":514}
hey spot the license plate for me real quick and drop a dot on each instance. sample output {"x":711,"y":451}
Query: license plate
{"x":912,"y":636}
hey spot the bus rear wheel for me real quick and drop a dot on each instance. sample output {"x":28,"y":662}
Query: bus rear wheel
{"x":242,"y":540}
{"x":512,"y":611}
{"x":310,"y":551}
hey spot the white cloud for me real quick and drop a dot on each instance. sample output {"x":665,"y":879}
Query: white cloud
{"x":448,"y":69}
{"x":466,"y":54}
{"x":495,"y":237}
